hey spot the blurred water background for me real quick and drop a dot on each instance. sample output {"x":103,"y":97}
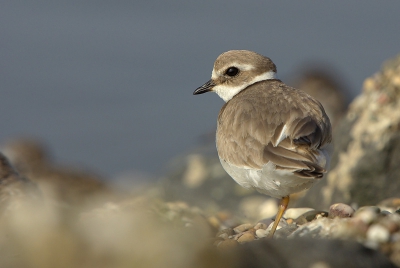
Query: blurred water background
{"x":108,"y":85}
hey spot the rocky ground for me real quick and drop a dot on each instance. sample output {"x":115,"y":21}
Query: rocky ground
{"x":55,"y":216}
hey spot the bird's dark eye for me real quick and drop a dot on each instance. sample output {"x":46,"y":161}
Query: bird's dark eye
{"x":232,"y":71}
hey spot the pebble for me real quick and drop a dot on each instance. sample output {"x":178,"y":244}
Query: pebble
{"x":260,"y":225}
{"x":293,"y":213}
{"x":246,"y":237}
{"x":367,"y":214}
{"x":393,"y":203}
{"x":378,"y":234}
{"x":260,"y":233}
{"x":225,"y":233}
{"x":242,"y":228}
{"x":340,"y":210}
{"x":310,"y":216}
{"x":372,"y":225}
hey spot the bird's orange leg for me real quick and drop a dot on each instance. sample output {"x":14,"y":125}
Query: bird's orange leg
{"x":282,"y":207}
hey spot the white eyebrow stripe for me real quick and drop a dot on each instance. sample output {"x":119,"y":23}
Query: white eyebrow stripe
{"x":240,"y":66}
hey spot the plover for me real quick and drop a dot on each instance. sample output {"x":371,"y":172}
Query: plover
{"x":269,"y":136}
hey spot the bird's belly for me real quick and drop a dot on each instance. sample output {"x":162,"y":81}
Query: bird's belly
{"x":268,"y":180}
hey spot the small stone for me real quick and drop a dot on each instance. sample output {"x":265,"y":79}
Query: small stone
{"x":294,"y":213}
{"x":310,"y":216}
{"x":260,"y":233}
{"x":225,"y":233}
{"x":226,"y":244}
{"x":393,"y":202}
{"x":260,"y":225}
{"x":246,"y":237}
{"x":391,"y":222}
{"x":367,"y":214}
{"x":371,"y":208}
{"x":385,"y":212}
{"x":340,"y":210}
{"x":242,"y":228}
{"x":378,"y":234}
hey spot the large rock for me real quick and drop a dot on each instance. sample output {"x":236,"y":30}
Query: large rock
{"x":365,"y":165}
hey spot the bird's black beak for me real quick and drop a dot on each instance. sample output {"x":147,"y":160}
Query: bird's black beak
{"x":205,"y":88}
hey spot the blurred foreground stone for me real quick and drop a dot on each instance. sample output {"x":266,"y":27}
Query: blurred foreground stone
{"x":145,"y":231}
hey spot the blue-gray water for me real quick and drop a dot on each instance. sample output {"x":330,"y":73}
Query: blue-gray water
{"x":108,"y":84}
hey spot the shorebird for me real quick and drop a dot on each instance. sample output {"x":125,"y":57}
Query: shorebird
{"x":269,"y":136}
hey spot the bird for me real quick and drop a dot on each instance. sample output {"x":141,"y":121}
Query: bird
{"x":270,"y":136}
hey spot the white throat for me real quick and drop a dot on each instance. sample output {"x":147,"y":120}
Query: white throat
{"x":228,"y":92}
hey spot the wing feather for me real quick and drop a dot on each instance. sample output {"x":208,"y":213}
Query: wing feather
{"x":273,"y":123}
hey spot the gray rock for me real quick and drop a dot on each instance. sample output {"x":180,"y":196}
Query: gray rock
{"x":364,"y":167}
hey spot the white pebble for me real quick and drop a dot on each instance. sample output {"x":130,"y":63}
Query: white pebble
{"x":378,"y":233}
{"x":261,"y":233}
{"x":294,"y":213}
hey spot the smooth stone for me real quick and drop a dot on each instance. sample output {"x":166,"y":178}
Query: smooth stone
{"x":385,"y":212}
{"x":378,"y":234}
{"x":225,"y":232}
{"x":340,"y":210}
{"x":246,"y":237}
{"x":260,"y":225}
{"x":243,"y":227}
{"x":293,"y":213}
{"x":367,"y":214}
{"x":260,"y":233}
{"x":371,"y":208}
{"x":310,"y":216}
{"x":393,"y":202}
